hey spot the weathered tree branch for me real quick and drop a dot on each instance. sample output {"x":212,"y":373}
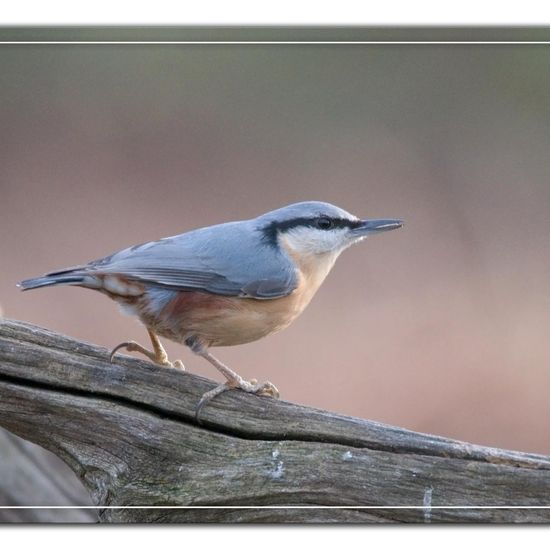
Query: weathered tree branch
{"x":128,"y":431}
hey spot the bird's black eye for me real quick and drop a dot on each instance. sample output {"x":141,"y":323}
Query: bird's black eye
{"x":324,"y":223}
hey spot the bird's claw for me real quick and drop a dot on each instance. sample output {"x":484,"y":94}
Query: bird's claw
{"x":177,"y":364}
{"x":127,"y":345}
{"x":265,"y":389}
{"x":160,"y":359}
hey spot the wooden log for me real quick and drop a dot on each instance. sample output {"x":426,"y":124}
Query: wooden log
{"x":128,"y":431}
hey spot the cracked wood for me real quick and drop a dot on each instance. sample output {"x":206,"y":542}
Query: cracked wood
{"x":128,"y":431}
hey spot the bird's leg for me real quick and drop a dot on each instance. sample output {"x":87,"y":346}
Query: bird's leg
{"x":234,"y":381}
{"x":158,"y":355}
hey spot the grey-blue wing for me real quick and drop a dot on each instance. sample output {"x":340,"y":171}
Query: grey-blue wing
{"x":229,"y":259}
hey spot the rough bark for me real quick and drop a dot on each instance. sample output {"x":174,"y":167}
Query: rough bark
{"x":128,"y":431}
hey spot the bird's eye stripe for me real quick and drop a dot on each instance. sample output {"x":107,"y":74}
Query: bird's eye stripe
{"x":271,"y":230}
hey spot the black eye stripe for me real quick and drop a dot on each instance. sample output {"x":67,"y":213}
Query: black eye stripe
{"x":271,"y":230}
{"x":343,"y":222}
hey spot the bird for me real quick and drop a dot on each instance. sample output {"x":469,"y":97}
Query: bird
{"x":223,"y":285}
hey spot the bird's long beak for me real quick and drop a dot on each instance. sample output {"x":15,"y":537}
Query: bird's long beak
{"x":376,"y":226}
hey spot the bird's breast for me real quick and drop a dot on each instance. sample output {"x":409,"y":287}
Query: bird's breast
{"x":226,"y":320}
{"x":222,"y":320}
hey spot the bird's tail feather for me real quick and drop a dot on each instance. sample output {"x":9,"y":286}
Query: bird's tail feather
{"x":51,"y":279}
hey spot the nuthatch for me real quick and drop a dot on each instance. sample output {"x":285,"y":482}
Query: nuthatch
{"x":223,"y":285}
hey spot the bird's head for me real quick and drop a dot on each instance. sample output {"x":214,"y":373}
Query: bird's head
{"x":318,"y":228}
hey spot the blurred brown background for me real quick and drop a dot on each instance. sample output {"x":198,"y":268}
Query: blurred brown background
{"x":440,"y":327}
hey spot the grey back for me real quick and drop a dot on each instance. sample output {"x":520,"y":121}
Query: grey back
{"x":231,"y":259}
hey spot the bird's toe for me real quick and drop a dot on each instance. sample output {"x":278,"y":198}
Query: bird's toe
{"x":178,"y":364}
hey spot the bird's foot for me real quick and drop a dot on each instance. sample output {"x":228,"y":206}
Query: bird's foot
{"x":159,"y":357}
{"x":266,"y":389}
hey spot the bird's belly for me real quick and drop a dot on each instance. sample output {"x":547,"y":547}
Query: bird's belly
{"x":221,"y":320}
{"x":231,"y":327}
